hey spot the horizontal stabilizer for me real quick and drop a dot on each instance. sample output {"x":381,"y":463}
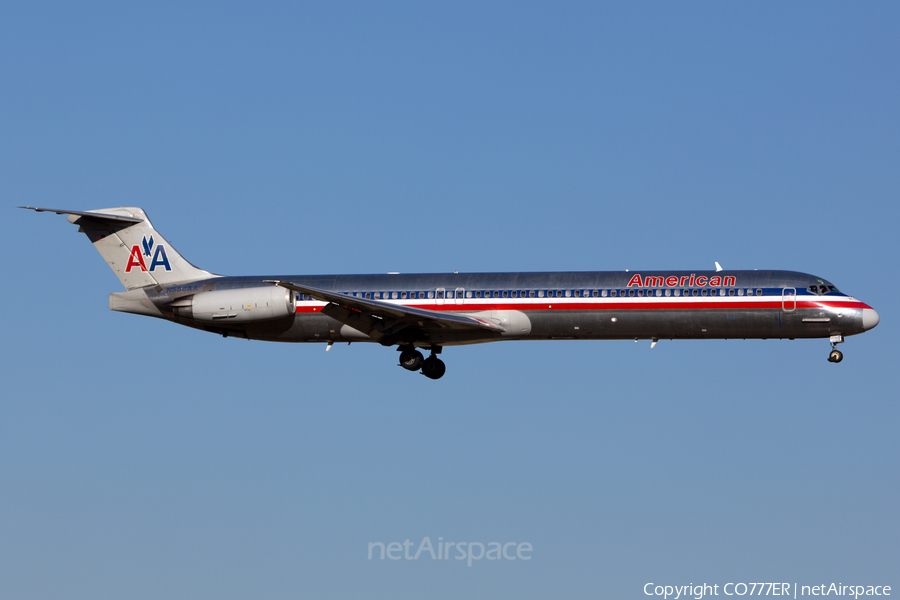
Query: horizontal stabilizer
{"x":93,"y":215}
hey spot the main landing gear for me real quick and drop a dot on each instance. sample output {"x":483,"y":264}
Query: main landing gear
{"x":412,"y":360}
{"x":835,"y":355}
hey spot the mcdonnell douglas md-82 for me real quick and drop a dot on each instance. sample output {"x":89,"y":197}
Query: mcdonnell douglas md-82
{"x":430,"y":311}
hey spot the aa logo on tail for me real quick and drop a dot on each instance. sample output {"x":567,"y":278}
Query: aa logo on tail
{"x":136,"y":259}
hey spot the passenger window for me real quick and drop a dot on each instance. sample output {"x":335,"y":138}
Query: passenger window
{"x":695,"y":293}
{"x":612,"y":293}
{"x":658,"y":293}
{"x":595,"y":293}
{"x":631,"y":293}
{"x":668,"y":292}
{"x":430,"y":295}
{"x":369,"y":295}
{"x":568,"y":293}
{"x":704,"y":292}
{"x":741,"y":292}
{"x":640,"y":293}
{"x":604,"y":293}
{"x":758,"y":292}
{"x":677,"y":292}
{"x":403,"y":295}
{"x":531,"y":294}
{"x":731,"y":292}
{"x":578,"y":293}
{"x":540,"y":293}
{"x":505,"y":294}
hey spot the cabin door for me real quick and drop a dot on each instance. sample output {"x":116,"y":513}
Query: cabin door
{"x":789,"y":299}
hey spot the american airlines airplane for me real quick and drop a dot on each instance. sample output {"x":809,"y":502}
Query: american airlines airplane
{"x":430,"y":311}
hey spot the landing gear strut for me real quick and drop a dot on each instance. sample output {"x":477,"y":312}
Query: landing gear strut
{"x":835,"y":355}
{"x":412,"y":360}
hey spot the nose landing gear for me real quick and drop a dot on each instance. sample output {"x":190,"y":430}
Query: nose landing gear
{"x":835,"y":355}
{"x":432,"y":367}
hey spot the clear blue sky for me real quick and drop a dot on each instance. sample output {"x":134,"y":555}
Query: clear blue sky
{"x":143,"y":460}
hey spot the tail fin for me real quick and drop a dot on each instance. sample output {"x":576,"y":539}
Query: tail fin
{"x":137,"y":253}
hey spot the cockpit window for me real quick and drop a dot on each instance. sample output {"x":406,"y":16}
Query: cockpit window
{"x":822,"y":288}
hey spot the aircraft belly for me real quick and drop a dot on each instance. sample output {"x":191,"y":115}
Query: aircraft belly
{"x":689,"y":324}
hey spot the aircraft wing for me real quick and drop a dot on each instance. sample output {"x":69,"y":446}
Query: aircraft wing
{"x":379,"y":319}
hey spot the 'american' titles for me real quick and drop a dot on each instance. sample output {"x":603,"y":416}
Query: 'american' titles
{"x":691,"y":280}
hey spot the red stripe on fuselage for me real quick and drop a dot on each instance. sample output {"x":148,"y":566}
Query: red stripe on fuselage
{"x":620,"y":305}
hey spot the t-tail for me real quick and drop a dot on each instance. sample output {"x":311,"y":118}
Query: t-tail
{"x":137,"y":253}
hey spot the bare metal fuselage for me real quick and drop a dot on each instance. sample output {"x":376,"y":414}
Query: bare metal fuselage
{"x":539,"y":306}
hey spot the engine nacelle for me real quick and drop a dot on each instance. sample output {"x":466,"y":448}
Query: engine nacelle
{"x":240,"y":305}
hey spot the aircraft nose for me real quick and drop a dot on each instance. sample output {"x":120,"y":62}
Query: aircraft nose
{"x":870,"y":318}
